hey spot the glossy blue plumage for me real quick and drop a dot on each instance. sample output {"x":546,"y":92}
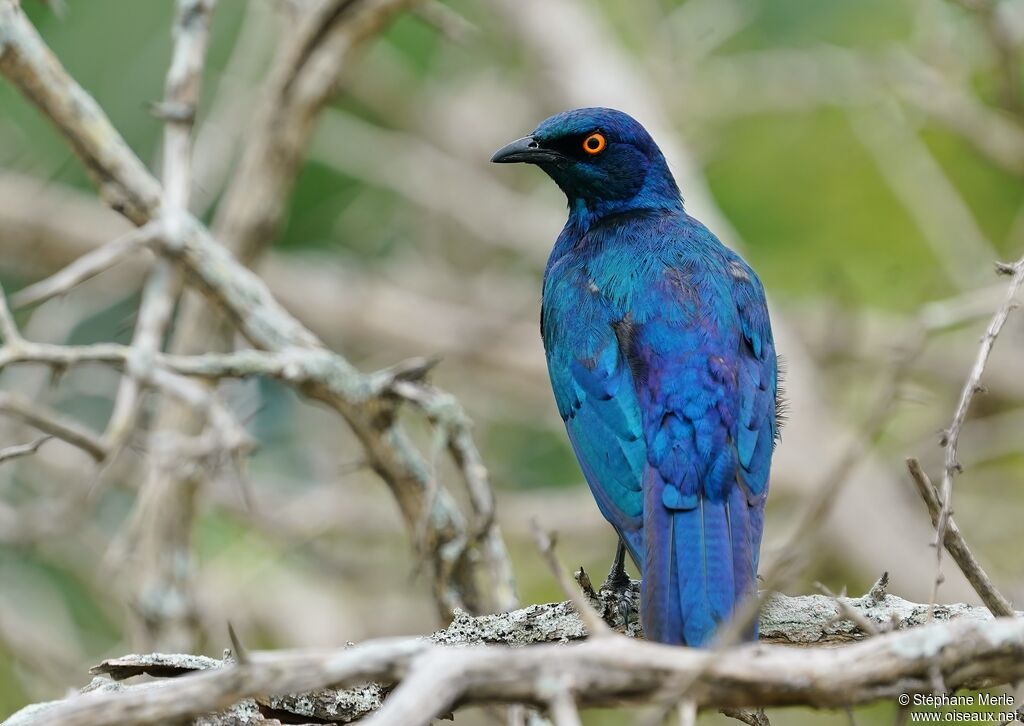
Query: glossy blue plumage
{"x":663,"y":367}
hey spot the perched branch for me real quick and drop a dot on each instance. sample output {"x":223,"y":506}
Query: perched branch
{"x":965,"y":646}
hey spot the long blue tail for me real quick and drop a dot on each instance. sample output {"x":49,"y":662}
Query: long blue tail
{"x":700,"y":563}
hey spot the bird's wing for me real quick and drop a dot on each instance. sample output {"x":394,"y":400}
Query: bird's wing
{"x":595,"y":396}
{"x":704,"y":369}
{"x":757,"y":428}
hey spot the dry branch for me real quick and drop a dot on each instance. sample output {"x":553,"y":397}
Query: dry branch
{"x":951,"y":436}
{"x":304,"y":77}
{"x":85,"y":267}
{"x":19,"y":450}
{"x":517,"y":656}
{"x":456,"y":553}
{"x":123,"y":180}
{"x":957,"y":547}
{"x":164,"y":600}
{"x":52,"y":423}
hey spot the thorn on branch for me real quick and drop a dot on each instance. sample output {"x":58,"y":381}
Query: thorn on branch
{"x":583,"y":580}
{"x":880,"y":589}
{"x":414,"y":369}
{"x":241,"y":655}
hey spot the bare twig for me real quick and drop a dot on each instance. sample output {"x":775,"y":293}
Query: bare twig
{"x":16,"y":452}
{"x":951,"y":437}
{"x":164,"y":374}
{"x":163,"y":569}
{"x":84,"y":268}
{"x":52,"y":423}
{"x":955,"y":543}
{"x":154,"y":316}
{"x":304,"y":77}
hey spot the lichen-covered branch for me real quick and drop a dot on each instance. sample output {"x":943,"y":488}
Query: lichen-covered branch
{"x":517,"y":656}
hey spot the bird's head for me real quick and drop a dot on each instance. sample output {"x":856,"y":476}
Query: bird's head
{"x":603,"y":160}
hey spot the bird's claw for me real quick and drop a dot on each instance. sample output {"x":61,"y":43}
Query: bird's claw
{"x":620,"y":587}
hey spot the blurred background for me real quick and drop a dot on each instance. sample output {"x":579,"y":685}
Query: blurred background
{"x":865,"y":156}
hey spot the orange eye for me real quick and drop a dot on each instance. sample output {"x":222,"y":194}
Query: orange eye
{"x":594,"y":144}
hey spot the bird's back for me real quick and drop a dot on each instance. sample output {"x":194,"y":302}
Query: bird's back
{"x":663,"y":367}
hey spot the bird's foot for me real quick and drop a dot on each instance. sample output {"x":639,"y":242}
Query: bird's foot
{"x":619,"y":588}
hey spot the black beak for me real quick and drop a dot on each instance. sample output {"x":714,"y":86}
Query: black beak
{"x":524,"y":151}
